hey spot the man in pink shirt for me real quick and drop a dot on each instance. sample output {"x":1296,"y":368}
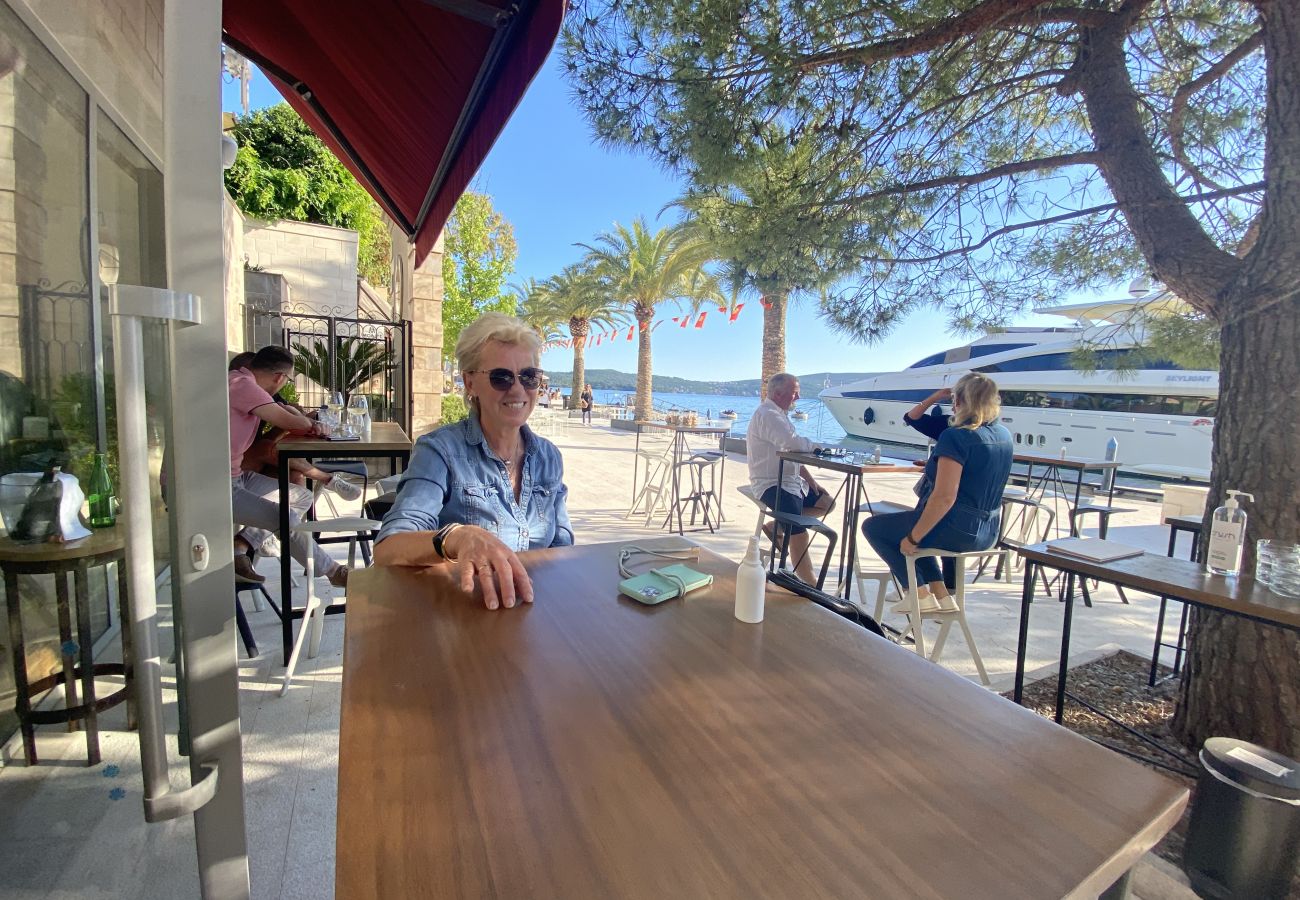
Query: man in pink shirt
{"x":254,"y":497}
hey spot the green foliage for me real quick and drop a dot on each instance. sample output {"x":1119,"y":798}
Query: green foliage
{"x":453,"y":409}
{"x":1190,"y":339}
{"x":76,"y":415}
{"x":356,"y":362}
{"x":284,"y":171}
{"x":479,"y":253}
{"x":962,"y":139}
{"x":288,"y":393}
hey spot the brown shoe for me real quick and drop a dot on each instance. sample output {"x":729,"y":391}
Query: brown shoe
{"x":244,"y":571}
{"x":339,"y":578}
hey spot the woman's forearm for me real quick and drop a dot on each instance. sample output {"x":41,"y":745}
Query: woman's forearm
{"x":935,"y":509}
{"x":924,"y":406}
{"x":407,"y":548}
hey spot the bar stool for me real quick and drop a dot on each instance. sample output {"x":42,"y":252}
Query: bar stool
{"x":699,"y":497}
{"x":1192,"y":525}
{"x":59,"y":560}
{"x":916,"y":617}
{"x":1103,"y":514}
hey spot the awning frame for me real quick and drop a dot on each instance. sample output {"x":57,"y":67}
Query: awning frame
{"x":509,"y":26}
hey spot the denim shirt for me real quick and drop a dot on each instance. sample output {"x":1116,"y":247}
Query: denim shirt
{"x":454,"y":476}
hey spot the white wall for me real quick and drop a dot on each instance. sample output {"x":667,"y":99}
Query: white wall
{"x":319,"y":262}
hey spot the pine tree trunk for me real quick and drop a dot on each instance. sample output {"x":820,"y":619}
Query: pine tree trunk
{"x":773,"y":336}
{"x":1242,"y":678}
{"x":644,"y":369}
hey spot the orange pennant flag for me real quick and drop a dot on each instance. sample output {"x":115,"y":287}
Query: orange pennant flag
{"x":735,"y":312}
{"x":699,"y":323}
{"x":631,"y":331}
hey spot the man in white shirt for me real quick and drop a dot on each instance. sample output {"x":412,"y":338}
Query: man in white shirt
{"x":771,"y":432}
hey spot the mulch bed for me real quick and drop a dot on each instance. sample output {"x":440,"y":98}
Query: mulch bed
{"x":1118,"y":685}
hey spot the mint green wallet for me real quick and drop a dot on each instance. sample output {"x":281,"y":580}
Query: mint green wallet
{"x":653,"y":587}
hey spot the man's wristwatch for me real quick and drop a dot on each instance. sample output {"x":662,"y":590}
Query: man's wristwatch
{"x":440,"y":539}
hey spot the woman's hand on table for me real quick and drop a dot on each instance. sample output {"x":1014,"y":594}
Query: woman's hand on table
{"x":479,"y":555}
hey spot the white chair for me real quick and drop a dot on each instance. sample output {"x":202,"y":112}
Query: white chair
{"x":313,"y":619}
{"x":917,"y":618}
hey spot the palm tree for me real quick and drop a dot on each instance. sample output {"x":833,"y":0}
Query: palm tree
{"x":579,"y":297}
{"x":777,"y":236}
{"x":533,"y":305}
{"x":643,"y":269}
{"x":356,"y":361}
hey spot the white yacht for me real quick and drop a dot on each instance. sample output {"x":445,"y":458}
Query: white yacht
{"x":1161,"y":415}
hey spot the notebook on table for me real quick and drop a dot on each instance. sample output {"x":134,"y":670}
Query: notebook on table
{"x":1093,"y":549}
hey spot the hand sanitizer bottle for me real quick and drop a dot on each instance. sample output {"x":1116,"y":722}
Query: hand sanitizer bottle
{"x":751,"y":586}
{"x":1227,"y":531}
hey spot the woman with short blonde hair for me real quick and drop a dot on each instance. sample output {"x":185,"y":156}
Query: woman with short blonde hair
{"x":961,"y":491}
{"x":480,"y":490}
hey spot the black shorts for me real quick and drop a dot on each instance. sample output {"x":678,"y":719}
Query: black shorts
{"x":790,"y":503}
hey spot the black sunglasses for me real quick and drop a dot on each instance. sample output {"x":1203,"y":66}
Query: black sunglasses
{"x":530,"y":379}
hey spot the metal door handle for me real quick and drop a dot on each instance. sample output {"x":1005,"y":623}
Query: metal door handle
{"x":128,"y":304}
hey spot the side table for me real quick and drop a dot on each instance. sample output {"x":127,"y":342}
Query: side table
{"x":75,"y":557}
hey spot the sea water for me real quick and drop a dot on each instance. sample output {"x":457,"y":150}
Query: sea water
{"x":820,"y":425}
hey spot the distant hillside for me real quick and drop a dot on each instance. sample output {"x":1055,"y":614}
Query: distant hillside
{"x":613,"y":380}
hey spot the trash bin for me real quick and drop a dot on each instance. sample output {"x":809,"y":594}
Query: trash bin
{"x":1244,"y":836}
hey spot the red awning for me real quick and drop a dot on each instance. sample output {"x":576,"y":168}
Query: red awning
{"x":410,"y":94}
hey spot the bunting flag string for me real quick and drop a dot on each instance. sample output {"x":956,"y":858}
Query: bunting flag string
{"x":611,"y":333}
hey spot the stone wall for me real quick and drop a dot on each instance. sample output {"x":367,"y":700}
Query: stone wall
{"x":424,"y":311}
{"x":318,"y":262}
{"x":232,"y":255}
{"x":119,"y":45}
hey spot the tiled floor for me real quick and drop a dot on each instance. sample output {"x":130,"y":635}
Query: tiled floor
{"x":69,"y":831}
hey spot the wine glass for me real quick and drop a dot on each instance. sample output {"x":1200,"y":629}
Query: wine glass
{"x":358,"y":405}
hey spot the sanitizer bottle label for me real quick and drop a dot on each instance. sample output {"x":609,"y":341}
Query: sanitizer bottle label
{"x":1224,"y":554}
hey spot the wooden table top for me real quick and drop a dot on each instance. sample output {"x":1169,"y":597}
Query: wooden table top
{"x":1082,"y":463}
{"x":588,"y":746}
{"x":1181,"y":579}
{"x":385,"y":437}
{"x":101,"y":540}
{"x":886,"y":466}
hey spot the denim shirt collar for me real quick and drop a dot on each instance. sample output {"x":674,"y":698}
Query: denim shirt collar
{"x":474,"y":436}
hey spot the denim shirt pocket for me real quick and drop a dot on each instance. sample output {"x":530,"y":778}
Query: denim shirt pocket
{"x":476,"y":500}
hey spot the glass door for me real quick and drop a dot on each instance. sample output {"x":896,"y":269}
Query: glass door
{"x":82,"y":214}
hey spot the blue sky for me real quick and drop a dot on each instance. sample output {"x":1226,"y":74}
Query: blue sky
{"x":558,"y":187}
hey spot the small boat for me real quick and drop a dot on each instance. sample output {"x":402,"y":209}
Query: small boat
{"x":728,"y":414}
{"x":799,"y":414}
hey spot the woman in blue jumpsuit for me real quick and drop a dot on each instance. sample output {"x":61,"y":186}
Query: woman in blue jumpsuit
{"x":961,"y":491}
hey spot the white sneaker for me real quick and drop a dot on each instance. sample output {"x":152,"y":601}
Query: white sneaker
{"x":344,"y":488}
{"x":270,"y":547}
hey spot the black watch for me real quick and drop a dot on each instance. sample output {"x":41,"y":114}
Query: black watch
{"x":440,"y":538}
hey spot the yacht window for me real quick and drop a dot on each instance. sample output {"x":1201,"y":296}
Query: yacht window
{"x":990,"y":349}
{"x":932,"y":360}
{"x":1130,"y":357}
{"x":1017,"y":437}
{"x":1042,"y":440}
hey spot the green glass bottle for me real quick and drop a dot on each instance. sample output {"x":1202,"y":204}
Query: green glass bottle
{"x":100,"y":495}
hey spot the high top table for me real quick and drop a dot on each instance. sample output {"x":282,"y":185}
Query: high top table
{"x":1179,"y":579}
{"x":854,"y":492}
{"x":1053,"y":466}
{"x":387,"y":441}
{"x":588,"y":746}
